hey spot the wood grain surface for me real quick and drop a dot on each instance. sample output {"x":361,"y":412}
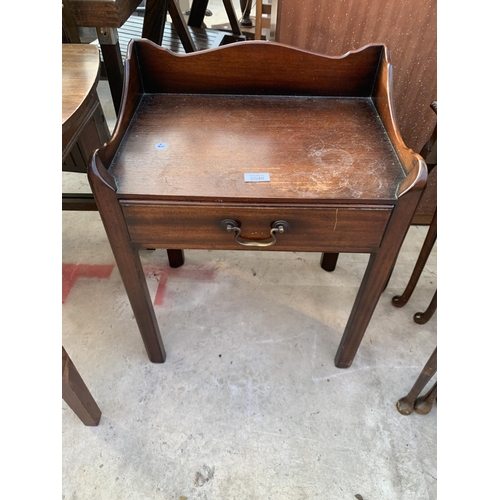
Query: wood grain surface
{"x":407,"y":28}
{"x":323,"y":128}
{"x":80,"y":72}
{"x":356,"y":229}
{"x":239,"y":69}
{"x":313,"y":148}
{"x":102,"y":13}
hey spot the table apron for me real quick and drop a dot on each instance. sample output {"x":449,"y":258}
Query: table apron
{"x":348,"y":228}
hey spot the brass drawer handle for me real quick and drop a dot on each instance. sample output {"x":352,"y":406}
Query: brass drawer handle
{"x":231,"y":226}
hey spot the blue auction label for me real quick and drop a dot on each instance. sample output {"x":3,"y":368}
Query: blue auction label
{"x":160,"y":146}
{"x":257,"y":177}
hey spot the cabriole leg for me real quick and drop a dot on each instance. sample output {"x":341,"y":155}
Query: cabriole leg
{"x":430,"y":239}
{"x":422,"y":317}
{"x":406,"y":404}
{"x":424,"y":404}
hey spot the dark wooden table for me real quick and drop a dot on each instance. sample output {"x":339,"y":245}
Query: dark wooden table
{"x":321,"y":129}
{"x":81,"y":117}
{"x":84,"y":127}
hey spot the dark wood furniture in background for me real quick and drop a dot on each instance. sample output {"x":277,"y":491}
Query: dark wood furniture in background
{"x":193,"y":34}
{"x":430,"y":239}
{"x":84,"y":127}
{"x":341,"y":178}
{"x":427,"y":205}
{"x":413,"y":400}
{"x":246,"y":7}
{"x":401,"y":300}
{"x":76,"y":394}
{"x":263,"y":20}
{"x":83,"y":130}
{"x":108,"y":16}
{"x":409,"y":31}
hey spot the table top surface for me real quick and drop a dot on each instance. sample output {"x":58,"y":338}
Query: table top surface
{"x":198,"y":147}
{"x":80,"y":75}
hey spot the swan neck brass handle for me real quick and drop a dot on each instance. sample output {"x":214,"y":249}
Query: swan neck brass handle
{"x":231,"y":226}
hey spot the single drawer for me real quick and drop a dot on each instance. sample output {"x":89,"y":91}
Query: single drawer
{"x":305,"y":228}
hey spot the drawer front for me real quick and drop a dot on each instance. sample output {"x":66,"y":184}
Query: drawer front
{"x":341,"y":228}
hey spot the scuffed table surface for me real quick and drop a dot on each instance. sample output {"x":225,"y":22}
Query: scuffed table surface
{"x":314,"y":148}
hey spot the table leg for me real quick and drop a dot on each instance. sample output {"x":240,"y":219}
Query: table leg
{"x":329,"y":261}
{"x":76,"y":393}
{"x":127,"y":260}
{"x":112,"y":57}
{"x":375,"y":279}
{"x":175,"y":258}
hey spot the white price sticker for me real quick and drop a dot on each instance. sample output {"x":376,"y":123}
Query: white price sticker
{"x":257,"y":177}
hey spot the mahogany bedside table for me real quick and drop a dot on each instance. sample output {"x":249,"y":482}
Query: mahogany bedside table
{"x":259,"y":146}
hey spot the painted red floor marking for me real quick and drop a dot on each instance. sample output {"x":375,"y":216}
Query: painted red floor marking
{"x":164,"y":272}
{"x":71,"y":272}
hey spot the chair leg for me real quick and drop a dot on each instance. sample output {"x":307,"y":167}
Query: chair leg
{"x":197,"y":14}
{"x":76,"y":393}
{"x":181,"y":27}
{"x":422,"y":317}
{"x":423,"y":405}
{"x":231,"y":15}
{"x":154,"y":20}
{"x":430,"y":239}
{"x":407,"y":404}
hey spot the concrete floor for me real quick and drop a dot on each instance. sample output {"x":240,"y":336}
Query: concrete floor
{"x":249,"y":404}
